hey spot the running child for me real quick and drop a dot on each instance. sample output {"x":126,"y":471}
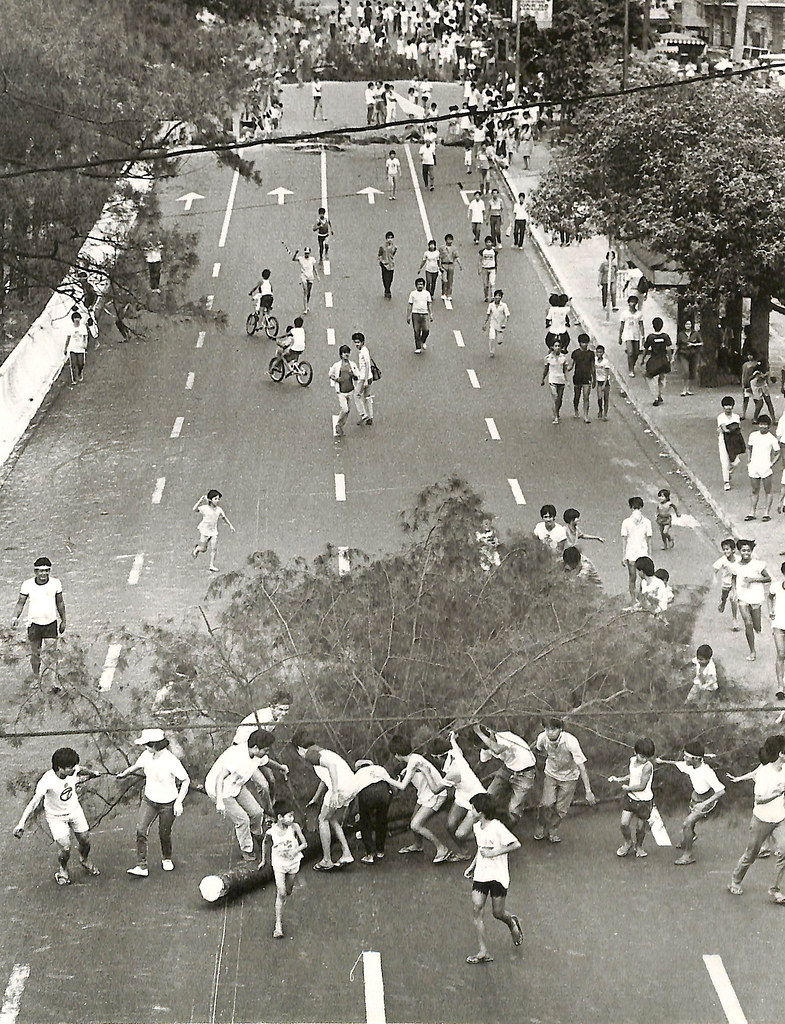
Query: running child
{"x":705,"y":680}
{"x":496,"y":319}
{"x":490,"y":874}
{"x":602,"y":373}
{"x":287,"y":843}
{"x":211,"y":512}
{"x":666,"y":510}
{"x":638,"y":798}
{"x":431,"y":796}
{"x":706,"y":792}
{"x":751,"y":578}
{"x":323,"y":229}
{"x":723,"y":568}
{"x":572,"y":518}
{"x":57,"y":790}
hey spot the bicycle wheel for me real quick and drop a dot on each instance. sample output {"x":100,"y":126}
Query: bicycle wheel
{"x":271,"y":326}
{"x":276,"y":369}
{"x":251,"y":324}
{"x":304,"y":373}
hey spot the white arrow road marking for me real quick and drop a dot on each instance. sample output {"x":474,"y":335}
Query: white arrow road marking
{"x":189,"y":381}
{"x":110,"y":666}
{"x":188,"y":199}
{"x":374,"y":988}
{"x":473,"y":378}
{"x":281,"y":193}
{"x":177,"y":427}
{"x":229,"y":208}
{"x":12,"y":999}
{"x":721,"y":981}
{"x":216,"y":269}
{"x":371,"y":192}
{"x":136,"y":570}
{"x":200,"y":339}
{"x":328,"y":300}
{"x":330,"y":335}
{"x":158,"y":493}
{"x":344,"y":566}
{"x":340,"y":487}
{"x":517,"y":493}
{"x":490,"y":423}
{"x":465,"y":193}
{"x":459,"y":339}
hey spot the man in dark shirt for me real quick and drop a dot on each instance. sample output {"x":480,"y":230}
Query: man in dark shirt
{"x":583,"y":379}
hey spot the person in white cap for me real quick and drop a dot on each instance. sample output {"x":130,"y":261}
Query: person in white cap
{"x":165,"y":784}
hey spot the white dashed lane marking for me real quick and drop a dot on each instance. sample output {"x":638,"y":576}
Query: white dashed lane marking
{"x":658,"y":830}
{"x":326,"y":267}
{"x":200,"y":339}
{"x":490,"y":423}
{"x":340,"y":487}
{"x":330,"y":335}
{"x":158,"y":493}
{"x":459,"y":339}
{"x":328,"y":300}
{"x":110,"y":666}
{"x":189,"y":381}
{"x":447,"y":302}
{"x":12,"y":998}
{"x":517,"y":493}
{"x":210,"y":301}
{"x":178,"y":426}
{"x":473,"y":378}
{"x":136,"y":570}
{"x":344,"y":568}
{"x":216,"y":269}
{"x":374,"y":988}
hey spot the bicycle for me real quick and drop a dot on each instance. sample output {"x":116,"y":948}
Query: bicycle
{"x":280,"y":368}
{"x":260,"y":320}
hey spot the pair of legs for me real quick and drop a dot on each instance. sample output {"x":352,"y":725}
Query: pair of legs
{"x":61,"y":829}
{"x":690,"y":362}
{"x":36,"y":634}
{"x":758,"y":401}
{"x":149,"y":811}
{"x":318,"y":108}
{"x":512,"y":786}
{"x":392,"y":186}
{"x":428,"y":176}
{"x":246,"y":815}
{"x":330,"y":827}
{"x":657,"y":384}
{"x":665,"y":534}
{"x":496,"y":231}
{"x":557,"y":397}
{"x":476,"y":228}
{"x":324,"y":246}
{"x":498,"y":893}
{"x":448,"y":276}
{"x":688,"y":829}
{"x":634,"y":820}
{"x":725,"y":463}
{"x":373,"y":804}
{"x":418,"y":826}
{"x":207,"y":540}
{"x":76,"y":366}
{"x":633,"y":349}
{"x":284,"y":884}
{"x":581,"y":392}
{"x":459,"y":823}
{"x":750,"y":616}
{"x":518,"y":233}
{"x":755,"y":483}
{"x":488,"y":282}
{"x":608,"y":292}
{"x":363,"y":401}
{"x":759,"y":832}
{"x":387,"y":280}
{"x":556,"y":799}
{"x":343,"y":404}
{"x":632,"y":578}
{"x":307,"y":286}
{"x":421,"y":330}
{"x":431,"y":279}
{"x":729,"y":592}
{"x":154,"y":270}
{"x":603,"y":398}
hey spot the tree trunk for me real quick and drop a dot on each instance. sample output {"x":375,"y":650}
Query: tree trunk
{"x":709,"y":328}
{"x":733,"y":318}
{"x":760,"y":308}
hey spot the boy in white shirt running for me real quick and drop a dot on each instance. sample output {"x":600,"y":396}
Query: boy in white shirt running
{"x":496,"y":320}
{"x":210,"y":512}
{"x":706,"y":792}
{"x":56,"y":789}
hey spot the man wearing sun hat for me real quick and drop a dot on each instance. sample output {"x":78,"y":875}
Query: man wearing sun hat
{"x":165,"y":784}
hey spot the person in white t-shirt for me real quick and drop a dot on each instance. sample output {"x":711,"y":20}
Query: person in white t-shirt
{"x":459,"y":774}
{"x":308,"y":272}
{"x":43,"y":595}
{"x":334,"y":793}
{"x":428,"y":164}
{"x":552,"y":534}
{"x":419,"y":314}
{"x":520,"y":215}
{"x":706,"y":791}
{"x":76,"y":342}
{"x":768,"y":815}
{"x":56,"y":790}
{"x":165,"y":786}
{"x":211,"y":512}
{"x":752,"y":578}
{"x":515,"y":776}
{"x":729,"y":433}
{"x":392,"y":166}
{"x":476,"y":214}
{"x":565,"y":763}
{"x":496,"y":319}
{"x":777,"y":612}
{"x":490,"y":874}
{"x":287,"y":845}
{"x":557,"y":366}
{"x":636,"y":536}
{"x":764,"y":454}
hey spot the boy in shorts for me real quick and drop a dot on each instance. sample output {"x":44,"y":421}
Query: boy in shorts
{"x":638,"y":798}
{"x":211,"y":513}
{"x":287,"y":843}
{"x":490,"y":874}
{"x":724,"y":567}
{"x":431,"y":795}
{"x":335,"y":791}
{"x":56,"y":789}
{"x":459,"y":774}
{"x":706,"y":792}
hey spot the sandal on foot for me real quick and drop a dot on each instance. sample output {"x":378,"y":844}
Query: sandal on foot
{"x":479,"y":958}
{"x":410,"y":849}
{"x":748,"y":519}
{"x":765,"y":519}
{"x":321,"y":866}
{"x":62,"y":878}
{"x":517,"y":940}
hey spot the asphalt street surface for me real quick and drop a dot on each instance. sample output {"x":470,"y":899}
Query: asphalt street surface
{"x":606,"y":941}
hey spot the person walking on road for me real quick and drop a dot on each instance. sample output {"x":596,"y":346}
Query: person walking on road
{"x":43,"y":595}
{"x":689,"y":345}
{"x":557,"y":366}
{"x":211,"y":512}
{"x":449,"y":259}
{"x":316,"y":93}
{"x":487,"y":263}
{"x":583,"y":379}
{"x":607,"y":279}
{"x":730,"y":440}
{"x":166,"y":784}
{"x":387,"y":262}
{"x":323,"y":228}
{"x":495,"y":215}
{"x":362,"y":392}
{"x":392,"y":166}
{"x":602,"y":374}
{"x":432,"y":262}
{"x":519,"y":218}
{"x":344,"y":376}
{"x":419,"y":314}
{"x":636,"y":534}
{"x":153,"y":255}
{"x":768,"y":815}
{"x":752,"y":578}
{"x":565,"y":763}
{"x":631,"y":332}
{"x":489,"y":873}
{"x":308,"y":272}
{"x":476,"y":214}
{"x":496,"y":320}
{"x":76,"y":342}
{"x":764,"y":454}
{"x":706,"y":792}
{"x":428,"y":162}
{"x":657,"y":347}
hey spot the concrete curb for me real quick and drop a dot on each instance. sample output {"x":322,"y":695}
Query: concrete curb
{"x":622,"y":382}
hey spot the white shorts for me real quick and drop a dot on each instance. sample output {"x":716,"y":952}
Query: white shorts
{"x":433,"y":801}
{"x":343,"y":400}
{"x":759,"y":476}
{"x":207,"y":534}
{"x":495,"y":332}
{"x":60,"y":827}
{"x":285,"y":867}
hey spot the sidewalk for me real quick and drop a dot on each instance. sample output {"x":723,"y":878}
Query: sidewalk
{"x":686,"y":427}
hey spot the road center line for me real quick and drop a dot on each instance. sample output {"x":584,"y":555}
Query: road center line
{"x":328,"y":300}
{"x":658,"y":830}
{"x":326,"y":268}
{"x":178,"y":426}
{"x":229,"y":208}
{"x":216,"y":269}
{"x":719,"y":978}
{"x":459,"y":339}
{"x":418,"y":193}
{"x":210,"y":301}
{"x":158,"y":493}
{"x":344,"y":566}
{"x":517,"y":493}
{"x":447,"y":302}
{"x":490,"y":423}
{"x":330,"y":335}
{"x":12,"y":999}
{"x":374,"y":988}
{"x":136,"y":570}
{"x":189,"y":381}
{"x":336,"y":417}
{"x":323,"y":171}
{"x":110,"y":666}
{"x":473,"y":378}
{"x":340,"y":487}
{"x":200,"y":340}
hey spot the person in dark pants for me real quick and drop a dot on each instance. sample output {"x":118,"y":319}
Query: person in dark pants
{"x":419,"y":314}
{"x":43,"y":596}
{"x":387,"y":262}
{"x":374,"y":793}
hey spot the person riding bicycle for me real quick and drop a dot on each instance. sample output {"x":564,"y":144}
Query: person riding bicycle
{"x":292,"y":345}
{"x":263,"y":293}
